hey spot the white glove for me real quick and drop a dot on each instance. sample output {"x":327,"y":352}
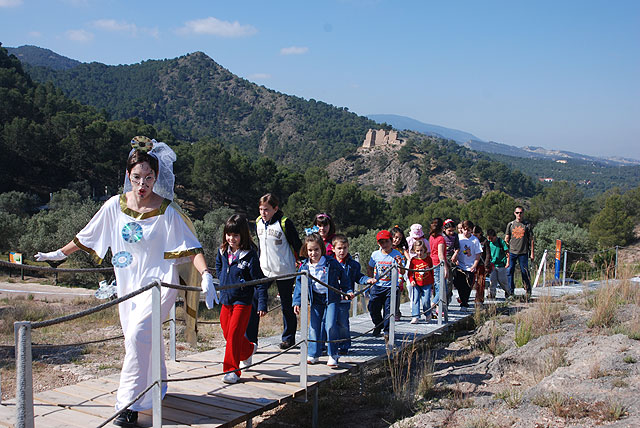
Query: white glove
{"x":52,"y":256}
{"x":209,"y":289}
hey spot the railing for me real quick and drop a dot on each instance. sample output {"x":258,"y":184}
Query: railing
{"x":22,"y":330}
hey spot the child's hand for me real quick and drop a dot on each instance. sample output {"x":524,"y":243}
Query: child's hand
{"x":262,"y":313}
{"x":296,"y":310}
{"x":350,"y":296}
{"x":371,"y":281}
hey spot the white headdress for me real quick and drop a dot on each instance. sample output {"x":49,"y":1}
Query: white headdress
{"x":166,"y":157}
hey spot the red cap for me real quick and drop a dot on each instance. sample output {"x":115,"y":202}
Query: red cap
{"x":383,"y":234}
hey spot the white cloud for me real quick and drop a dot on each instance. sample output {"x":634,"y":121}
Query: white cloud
{"x":124,"y":27}
{"x":10,"y":3}
{"x":79,"y":35}
{"x":34,"y":34}
{"x":260,"y":76}
{"x":216,"y":27}
{"x":115,"y":26}
{"x":294,"y":50}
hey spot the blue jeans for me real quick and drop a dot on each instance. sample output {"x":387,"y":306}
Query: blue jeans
{"x":438,"y":286}
{"x":523,"y":261}
{"x":378,"y":302}
{"x":421,"y":301}
{"x":343,"y":326}
{"x":323,"y":317}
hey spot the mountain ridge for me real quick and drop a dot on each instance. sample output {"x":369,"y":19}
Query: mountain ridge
{"x":474,"y":143}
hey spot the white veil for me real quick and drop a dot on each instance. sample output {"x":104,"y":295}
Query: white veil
{"x":166,"y":179}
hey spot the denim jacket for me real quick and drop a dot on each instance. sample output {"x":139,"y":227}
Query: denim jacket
{"x":337,"y":278}
{"x":245,"y":268}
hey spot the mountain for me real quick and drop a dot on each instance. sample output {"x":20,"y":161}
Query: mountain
{"x":431,"y":168}
{"x":474,"y":143}
{"x":403,"y":122}
{"x":37,"y":56}
{"x":195,"y":98}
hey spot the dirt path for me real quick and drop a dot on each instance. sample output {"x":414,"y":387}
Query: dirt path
{"x":42,"y":291}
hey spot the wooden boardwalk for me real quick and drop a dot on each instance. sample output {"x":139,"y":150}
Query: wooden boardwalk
{"x":212,"y":403}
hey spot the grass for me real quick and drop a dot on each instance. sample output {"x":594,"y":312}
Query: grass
{"x":411,"y":378}
{"x":459,"y":399}
{"x":523,"y":333}
{"x":540,"y":319}
{"x":512,"y":397}
{"x":480,"y":422}
{"x":605,"y":300}
{"x":570,"y":408}
{"x":550,"y":364}
{"x":629,"y":359}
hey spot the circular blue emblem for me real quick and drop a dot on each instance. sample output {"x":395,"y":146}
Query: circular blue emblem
{"x":122,"y":259}
{"x":132,"y":232}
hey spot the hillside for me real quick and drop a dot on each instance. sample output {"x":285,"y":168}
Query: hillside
{"x":193,"y":97}
{"x":431,"y":167}
{"x":37,"y":56}
{"x":592,"y":177}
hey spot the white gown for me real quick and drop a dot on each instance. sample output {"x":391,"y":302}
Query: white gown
{"x":145,"y":247}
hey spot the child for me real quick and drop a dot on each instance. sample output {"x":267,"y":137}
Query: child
{"x":237,"y":261}
{"x":380,"y":262}
{"x":415,"y":234}
{"x":326,"y":229}
{"x":468,"y":260}
{"x":279,"y":246}
{"x":352,"y":268}
{"x":438,"y":254}
{"x":498,"y":265}
{"x":453,"y":249}
{"x":399,"y":242}
{"x":324,"y":302}
{"x":421,"y":282}
{"x":483,"y":265}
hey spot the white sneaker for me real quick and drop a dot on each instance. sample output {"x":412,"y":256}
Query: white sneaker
{"x":312,"y":360}
{"x":414,"y":320}
{"x":331,"y":362}
{"x":230,"y":378}
{"x":247,"y":362}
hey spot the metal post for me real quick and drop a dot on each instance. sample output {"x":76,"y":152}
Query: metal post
{"x":564,"y":269}
{"x":443,"y":292}
{"x":24,"y":375}
{"x":615,"y":273}
{"x":314,"y":414}
{"x":361,"y":376}
{"x":304,"y":329}
{"x":172,"y":332}
{"x":544,"y":274}
{"x":392,"y":309}
{"x":354,"y":302}
{"x":156,"y":353}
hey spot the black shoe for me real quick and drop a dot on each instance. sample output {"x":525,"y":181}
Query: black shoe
{"x":128,"y":418}
{"x":285,"y":345}
{"x":343,"y":352}
{"x":376,"y":331}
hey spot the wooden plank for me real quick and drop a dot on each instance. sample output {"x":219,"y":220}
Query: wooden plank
{"x":218,"y":414}
{"x":69,"y":418}
{"x":216,"y":401}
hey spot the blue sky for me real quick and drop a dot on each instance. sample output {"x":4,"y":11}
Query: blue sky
{"x":557,"y":74}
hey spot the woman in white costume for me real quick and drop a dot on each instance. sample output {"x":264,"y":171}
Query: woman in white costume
{"x":149,"y":237}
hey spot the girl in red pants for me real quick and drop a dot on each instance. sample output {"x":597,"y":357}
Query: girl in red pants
{"x":237,"y":262}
